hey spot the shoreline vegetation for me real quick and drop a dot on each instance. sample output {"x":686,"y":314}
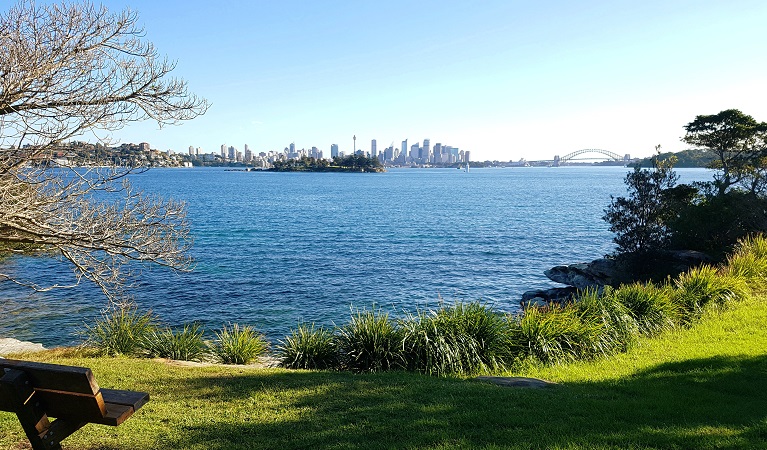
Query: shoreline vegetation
{"x":351,"y":163}
{"x":694,"y":385}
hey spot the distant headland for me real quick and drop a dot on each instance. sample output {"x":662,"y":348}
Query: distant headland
{"x":350,"y":163}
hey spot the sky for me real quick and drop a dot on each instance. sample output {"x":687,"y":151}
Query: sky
{"x":504,"y":79}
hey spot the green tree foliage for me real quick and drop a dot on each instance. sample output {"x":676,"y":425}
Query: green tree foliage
{"x":640,"y":221}
{"x":740,"y":145}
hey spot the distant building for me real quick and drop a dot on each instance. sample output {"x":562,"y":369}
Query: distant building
{"x":426,"y":153}
{"x":191,"y":150}
{"x":373,"y":149}
{"x":404,"y":150}
{"x":232,"y":153}
{"x":223,"y":151}
{"x":333,"y":150}
{"x":144,"y":147}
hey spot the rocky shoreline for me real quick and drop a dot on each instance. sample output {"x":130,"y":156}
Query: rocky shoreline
{"x":10,"y":345}
{"x":610,"y":272}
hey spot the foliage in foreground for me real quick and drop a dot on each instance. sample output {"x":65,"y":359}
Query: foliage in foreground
{"x":122,"y":330}
{"x":691,"y":388}
{"x":185,"y":344}
{"x":466,"y":338}
{"x":239,"y":345}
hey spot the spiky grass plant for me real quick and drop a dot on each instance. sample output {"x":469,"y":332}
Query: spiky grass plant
{"x":185,"y":344}
{"x":464,"y":338}
{"x":651,"y":306}
{"x":308,"y":347}
{"x":554,"y":334}
{"x":121,"y":330}
{"x":369,"y":342}
{"x":705,"y":287}
{"x":620,"y":330}
{"x":238,"y":345}
{"x":749,"y":262}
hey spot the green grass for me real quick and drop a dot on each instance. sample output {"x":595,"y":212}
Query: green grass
{"x":696,"y":387}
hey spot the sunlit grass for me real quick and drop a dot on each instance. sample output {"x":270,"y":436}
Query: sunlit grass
{"x":697,"y":387}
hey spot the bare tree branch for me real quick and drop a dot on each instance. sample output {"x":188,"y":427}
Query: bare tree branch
{"x":66,"y":69}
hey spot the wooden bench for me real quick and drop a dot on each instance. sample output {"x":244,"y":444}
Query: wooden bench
{"x":37,"y":391}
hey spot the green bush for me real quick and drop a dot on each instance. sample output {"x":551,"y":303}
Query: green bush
{"x":308,"y":347}
{"x":619,"y":329}
{"x":239,"y":345}
{"x":554,"y":334}
{"x":121,"y":330}
{"x":185,"y":344}
{"x":649,"y":305}
{"x":465,"y":338}
{"x":704,"y":287}
{"x":369,"y":342}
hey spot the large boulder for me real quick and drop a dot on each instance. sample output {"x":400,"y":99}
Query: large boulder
{"x":627,"y":269}
{"x":600,"y":272}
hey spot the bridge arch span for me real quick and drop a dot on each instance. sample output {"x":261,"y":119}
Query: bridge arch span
{"x":611,"y":155}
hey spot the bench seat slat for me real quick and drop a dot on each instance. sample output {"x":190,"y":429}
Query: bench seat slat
{"x":69,"y":405}
{"x":130,"y":398}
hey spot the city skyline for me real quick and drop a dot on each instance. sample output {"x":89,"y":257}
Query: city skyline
{"x":505,"y":79}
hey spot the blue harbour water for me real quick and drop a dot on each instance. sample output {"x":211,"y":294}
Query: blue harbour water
{"x":275,"y":249}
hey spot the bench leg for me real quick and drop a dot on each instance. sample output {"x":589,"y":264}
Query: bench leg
{"x":42,"y":434}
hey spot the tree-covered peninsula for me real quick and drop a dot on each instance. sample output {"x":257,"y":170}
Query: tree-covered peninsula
{"x":350,"y":163}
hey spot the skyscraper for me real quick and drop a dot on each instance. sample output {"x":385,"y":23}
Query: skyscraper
{"x":426,"y":154}
{"x":404,"y":151}
{"x":191,"y":150}
{"x":373,"y":149}
{"x":223,"y":151}
{"x":333,"y":150}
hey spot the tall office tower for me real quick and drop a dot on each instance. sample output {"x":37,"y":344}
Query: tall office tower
{"x":232,"y":153}
{"x":333,"y":150}
{"x":223,"y":151}
{"x":197,"y":152}
{"x":292,"y":147}
{"x":373,"y":149}
{"x":191,"y":150}
{"x":248,"y":154}
{"x":404,"y":150}
{"x":467,"y":156}
{"x":415,"y":151}
{"x":426,"y":150}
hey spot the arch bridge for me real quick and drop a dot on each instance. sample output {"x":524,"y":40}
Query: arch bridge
{"x":573,"y":156}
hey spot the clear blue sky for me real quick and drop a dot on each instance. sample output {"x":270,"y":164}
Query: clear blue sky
{"x":505,"y":79}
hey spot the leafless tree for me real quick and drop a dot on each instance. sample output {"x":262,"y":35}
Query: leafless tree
{"x":66,"y":70}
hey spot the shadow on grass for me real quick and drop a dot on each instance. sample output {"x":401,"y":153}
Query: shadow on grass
{"x":704,"y":403}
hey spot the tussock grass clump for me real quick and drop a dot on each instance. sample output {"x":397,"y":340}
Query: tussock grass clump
{"x":554,"y":334}
{"x":308,"y":347}
{"x":121,"y":330}
{"x":651,"y":306}
{"x":619,"y":329}
{"x":239,"y":345}
{"x":464,"y":338}
{"x":705,"y":287}
{"x":185,"y":344}
{"x":369,"y":342}
{"x":749,"y":262}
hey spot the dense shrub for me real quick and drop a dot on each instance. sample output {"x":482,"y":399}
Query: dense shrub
{"x":716,"y":223}
{"x":121,"y":330}
{"x":370,"y":342}
{"x":185,"y":344}
{"x":308,"y":347}
{"x":464,"y":338}
{"x":239,"y":345}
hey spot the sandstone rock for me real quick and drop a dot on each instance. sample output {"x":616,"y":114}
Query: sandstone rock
{"x":523,"y":382}
{"x":9,"y":345}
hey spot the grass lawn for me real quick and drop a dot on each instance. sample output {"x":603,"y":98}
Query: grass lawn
{"x":705,"y":387}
